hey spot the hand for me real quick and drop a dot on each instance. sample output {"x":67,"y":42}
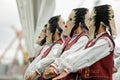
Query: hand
{"x":49,"y":73}
{"x":62,"y":75}
{"x":31,"y":59}
{"x":114,"y":70}
{"x":31,"y":76}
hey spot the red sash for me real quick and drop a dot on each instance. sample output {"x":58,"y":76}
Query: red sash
{"x":49,"y":49}
{"x":73,"y":76}
{"x":69,"y":45}
{"x":39,"y":52}
{"x":47,"y":52}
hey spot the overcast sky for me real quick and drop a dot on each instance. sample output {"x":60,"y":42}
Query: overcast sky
{"x":9,"y":17}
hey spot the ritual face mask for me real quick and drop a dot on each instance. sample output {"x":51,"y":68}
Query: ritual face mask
{"x":91,"y":25}
{"x":87,"y":21}
{"x":69,"y":24}
{"x":77,"y":18}
{"x":42,"y":37}
{"x":112,"y":21}
{"x":61,"y":23}
{"x":55,"y":24}
{"x":102,"y":15}
{"x":48,"y":35}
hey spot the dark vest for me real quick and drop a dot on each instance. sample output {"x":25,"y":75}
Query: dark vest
{"x":102,"y":69}
{"x":73,"y":76}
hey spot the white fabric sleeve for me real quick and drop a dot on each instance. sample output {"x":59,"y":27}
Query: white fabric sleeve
{"x":31,"y":65}
{"x":117,"y":57}
{"x":117,"y":63}
{"x":45,"y":62}
{"x":87,"y":57}
{"x":37,"y":50}
{"x":37,"y":59}
{"x":79,"y":45}
{"x":117,"y":52}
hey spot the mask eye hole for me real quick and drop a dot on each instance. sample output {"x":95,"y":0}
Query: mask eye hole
{"x":63,"y":22}
{"x":70,"y":19}
{"x":90,"y":19}
{"x":112,"y":16}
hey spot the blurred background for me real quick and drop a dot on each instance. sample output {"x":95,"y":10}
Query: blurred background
{"x":21,"y":22}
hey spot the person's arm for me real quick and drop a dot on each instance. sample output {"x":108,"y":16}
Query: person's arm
{"x":88,"y":56}
{"x":30,"y":68}
{"x":79,"y":45}
{"x":45,"y":62}
{"x":40,"y":65}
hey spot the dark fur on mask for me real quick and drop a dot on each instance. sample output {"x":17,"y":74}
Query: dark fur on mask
{"x":102,"y":15}
{"x":54,"y":26}
{"x":80,"y":17}
{"x":43,"y":41}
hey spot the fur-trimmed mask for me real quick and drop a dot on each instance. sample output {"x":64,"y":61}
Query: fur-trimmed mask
{"x":104,"y":15}
{"x":55,"y":24}
{"x":76,"y":17}
{"x":42,"y":37}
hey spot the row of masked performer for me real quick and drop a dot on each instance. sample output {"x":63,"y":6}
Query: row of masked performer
{"x":82,"y":48}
